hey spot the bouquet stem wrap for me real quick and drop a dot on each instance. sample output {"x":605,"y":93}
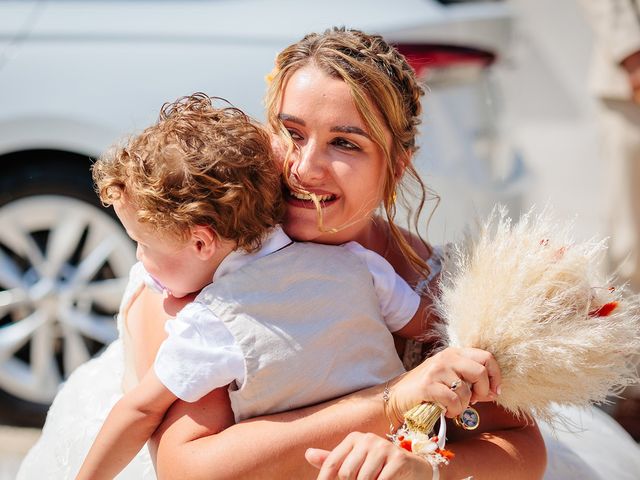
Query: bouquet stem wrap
{"x":422,"y":418}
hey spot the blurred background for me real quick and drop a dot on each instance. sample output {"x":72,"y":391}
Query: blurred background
{"x":509,"y":118}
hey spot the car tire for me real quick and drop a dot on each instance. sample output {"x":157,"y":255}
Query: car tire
{"x":64,"y":263}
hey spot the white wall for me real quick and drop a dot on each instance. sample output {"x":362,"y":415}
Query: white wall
{"x":551,"y":114}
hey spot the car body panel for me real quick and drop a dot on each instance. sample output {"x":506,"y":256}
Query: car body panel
{"x":77,"y":76}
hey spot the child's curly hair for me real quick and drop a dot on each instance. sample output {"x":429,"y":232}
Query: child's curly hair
{"x":197,"y":165}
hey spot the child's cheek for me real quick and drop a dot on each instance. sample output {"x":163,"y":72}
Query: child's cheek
{"x":279,"y":148}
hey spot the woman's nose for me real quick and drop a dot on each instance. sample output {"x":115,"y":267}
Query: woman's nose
{"x":309,"y":163}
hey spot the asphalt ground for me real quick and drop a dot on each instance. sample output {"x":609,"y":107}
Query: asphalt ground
{"x":14,"y":444}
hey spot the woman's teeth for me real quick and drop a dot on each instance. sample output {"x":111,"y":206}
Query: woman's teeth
{"x":307,"y":197}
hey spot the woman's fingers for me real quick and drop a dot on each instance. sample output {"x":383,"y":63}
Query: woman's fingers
{"x":451,"y":401}
{"x":463,"y":395}
{"x":347,"y":459}
{"x":331,"y":465}
{"x":407,"y":467}
{"x":475,"y":377}
{"x":431,"y":381}
{"x":316,"y":456}
{"x":478,"y":369}
{"x":488,"y":360}
{"x":365,"y":456}
{"x":351,"y":464}
{"x":374,"y":463}
{"x":368,"y":456}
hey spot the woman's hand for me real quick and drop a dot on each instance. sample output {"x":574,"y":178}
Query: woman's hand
{"x":365,"y":456}
{"x":473,"y":373}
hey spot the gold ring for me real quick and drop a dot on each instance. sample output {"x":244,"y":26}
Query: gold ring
{"x":454,"y":386}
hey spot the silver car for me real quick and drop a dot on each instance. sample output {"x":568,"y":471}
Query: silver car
{"x":75,"y":76}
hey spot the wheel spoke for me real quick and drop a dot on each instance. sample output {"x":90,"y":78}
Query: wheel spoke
{"x":75,"y":350}
{"x":22,"y":243}
{"x":10,"y":299}
{"x":43,"y":362}
{"x":14,"y":336}
{"x":10,"y":274}
{"x":63,"y":240}
{"x":97,"y":327}
{"x":96,"y":258}
{"x":123,"y":246}
{"x":106,"y":294}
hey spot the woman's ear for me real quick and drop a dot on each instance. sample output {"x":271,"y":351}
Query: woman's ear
{"x":404,"y":160}
{"x":204,"y":241}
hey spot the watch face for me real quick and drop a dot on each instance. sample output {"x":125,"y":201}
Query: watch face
{"x":469,"y":419}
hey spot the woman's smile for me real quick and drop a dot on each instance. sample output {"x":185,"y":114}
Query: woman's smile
{"x":305,"y":198}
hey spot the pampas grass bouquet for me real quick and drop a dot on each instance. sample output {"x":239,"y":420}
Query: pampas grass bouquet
{"x":527,"y":292}
{"x":540,"y":302}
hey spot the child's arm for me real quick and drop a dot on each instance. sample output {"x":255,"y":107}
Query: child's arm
{"x":420,"y":327}
{"x":131,"y":422}
{"x":398,"y":300}
{"x":419,"y":324}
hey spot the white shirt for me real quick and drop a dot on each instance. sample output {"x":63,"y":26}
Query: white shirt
{"x":197,"y":337}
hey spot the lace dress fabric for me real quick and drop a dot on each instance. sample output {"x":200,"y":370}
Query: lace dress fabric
{"x":79,"y":409}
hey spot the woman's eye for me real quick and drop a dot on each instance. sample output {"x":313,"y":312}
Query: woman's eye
{"x":294,"y":134}
{"x":345,"y":144}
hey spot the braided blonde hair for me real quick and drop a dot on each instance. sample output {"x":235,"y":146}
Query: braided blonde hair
{"x":382,"y":85}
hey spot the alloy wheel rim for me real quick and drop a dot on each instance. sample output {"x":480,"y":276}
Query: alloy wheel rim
{"x":63,"y":268}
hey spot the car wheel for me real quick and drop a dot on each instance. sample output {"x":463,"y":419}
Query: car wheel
{"x":64,"y":263}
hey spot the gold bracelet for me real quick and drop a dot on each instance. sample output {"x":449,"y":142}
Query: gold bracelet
{"x":386,"y":396}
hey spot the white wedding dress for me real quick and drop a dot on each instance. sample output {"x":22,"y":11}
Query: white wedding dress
{"x":594,"y":447}
{"x":80,"y":408}
{"x":589,"y":445}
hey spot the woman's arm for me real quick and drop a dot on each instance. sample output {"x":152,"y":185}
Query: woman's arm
{"x":264,"y":447}
{"x":274,"y":446}
{"x":506,"y":448}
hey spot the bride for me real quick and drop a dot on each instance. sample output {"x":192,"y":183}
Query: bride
{"x":307,"y":106}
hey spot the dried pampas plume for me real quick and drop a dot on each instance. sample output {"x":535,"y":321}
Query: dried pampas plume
{"x":539,"y":302}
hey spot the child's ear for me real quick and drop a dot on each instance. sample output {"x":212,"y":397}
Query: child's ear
{"x":204,"y":240}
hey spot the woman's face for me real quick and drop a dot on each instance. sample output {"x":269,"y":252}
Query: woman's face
{"x":336,"y":159}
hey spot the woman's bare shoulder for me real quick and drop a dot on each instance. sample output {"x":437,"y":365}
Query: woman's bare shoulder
{"x":396,"y":257}
{"x":420,"y":246}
